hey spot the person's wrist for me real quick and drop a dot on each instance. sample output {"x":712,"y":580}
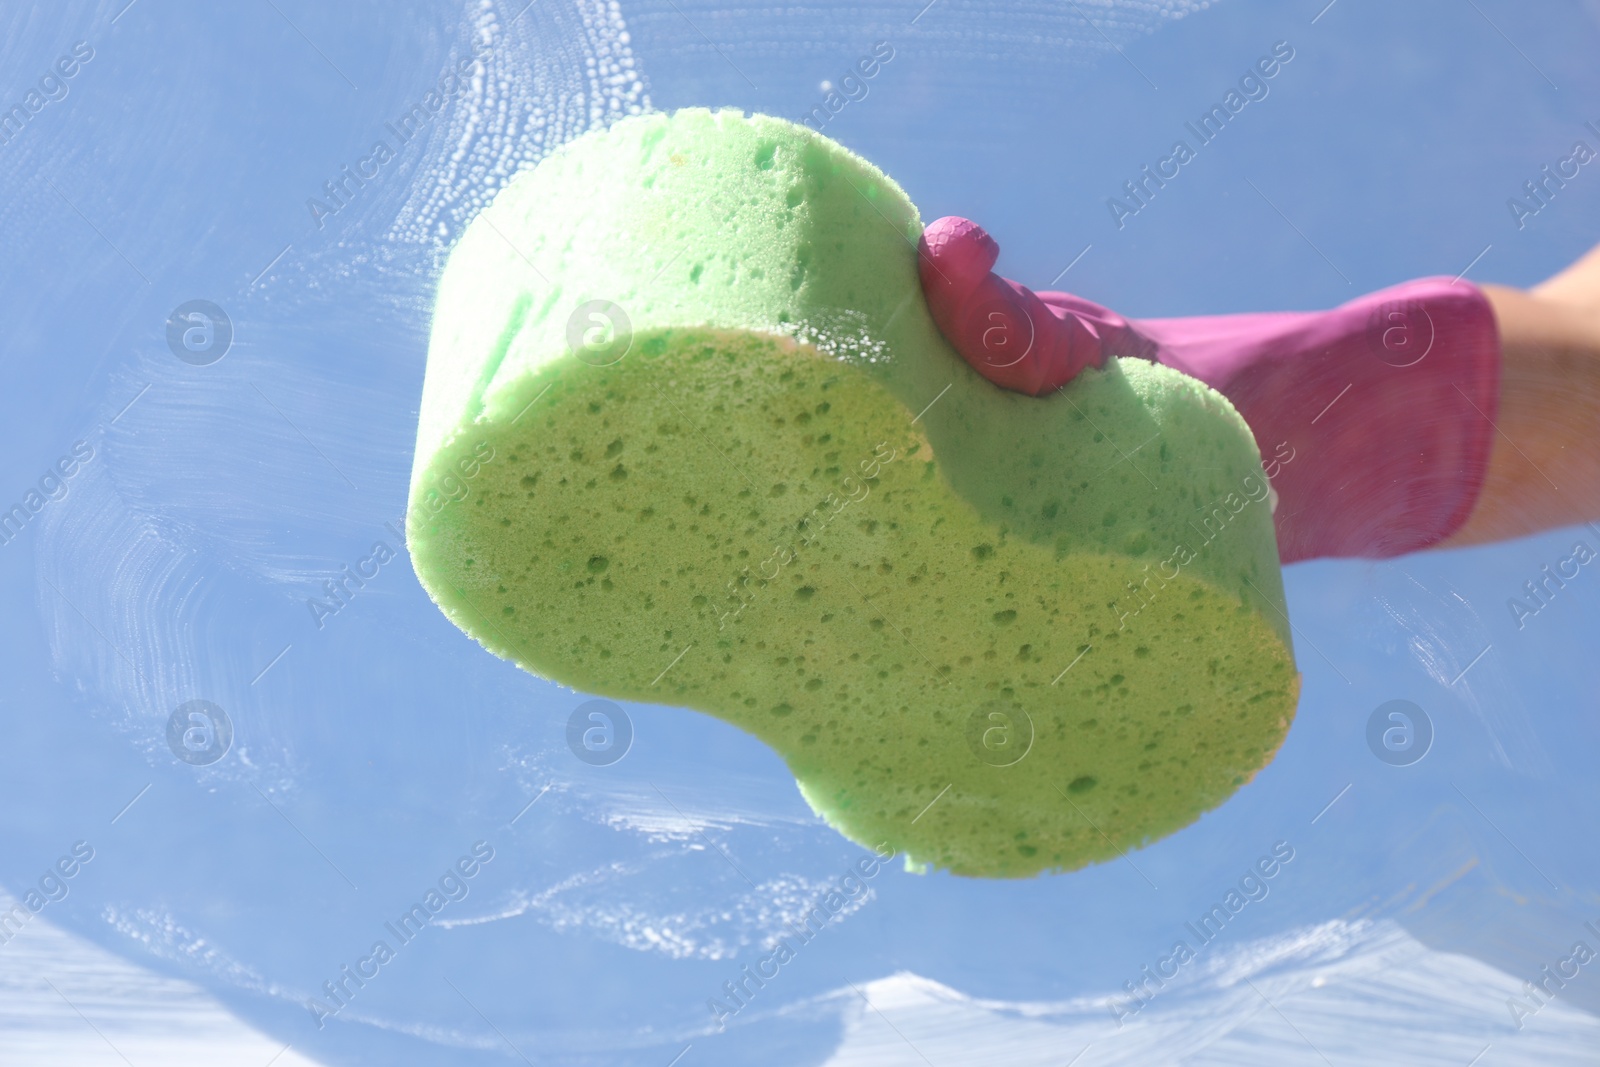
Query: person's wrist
{"x":1544,"y":465}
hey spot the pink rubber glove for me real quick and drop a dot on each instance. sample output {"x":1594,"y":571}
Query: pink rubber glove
{"x":1374,"y":419}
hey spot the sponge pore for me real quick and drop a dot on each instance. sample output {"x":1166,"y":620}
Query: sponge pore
{"x":690,"y":436}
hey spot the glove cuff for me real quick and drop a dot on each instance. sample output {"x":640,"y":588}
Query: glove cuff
{"x":1374,"y":419}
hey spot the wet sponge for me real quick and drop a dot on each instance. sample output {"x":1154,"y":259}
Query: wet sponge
{"x":689,"y":436}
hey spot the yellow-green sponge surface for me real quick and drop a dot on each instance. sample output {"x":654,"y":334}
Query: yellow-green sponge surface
{"x":1001,"y":634}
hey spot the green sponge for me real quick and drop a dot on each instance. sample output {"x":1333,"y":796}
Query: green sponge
{"x":689,"y":436}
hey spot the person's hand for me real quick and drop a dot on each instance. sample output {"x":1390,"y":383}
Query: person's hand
{"x":1374,"y":420}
